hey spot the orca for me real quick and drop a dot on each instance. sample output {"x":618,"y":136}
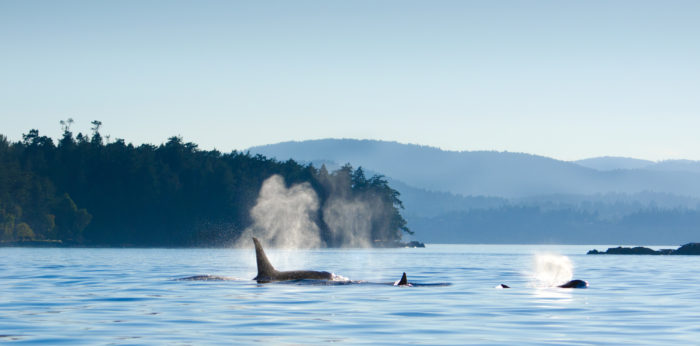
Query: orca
{"x":570,"y":284}
{"x":268,"y":273}
{"x":575,"y":284}
{"x":403,"y":281}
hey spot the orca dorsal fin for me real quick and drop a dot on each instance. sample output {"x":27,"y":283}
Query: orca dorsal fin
{"x":265,"y":268}
{"x":403,"y":281}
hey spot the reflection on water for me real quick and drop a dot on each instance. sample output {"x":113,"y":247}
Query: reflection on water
{"x":102,"y":296}
{"x":553,"y":295}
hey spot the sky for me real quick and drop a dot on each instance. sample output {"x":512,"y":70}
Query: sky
{"x":564,"y":79}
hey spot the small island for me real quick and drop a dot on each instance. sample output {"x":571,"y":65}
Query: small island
{"x":90,"y":190}
{"x":687,"y":249}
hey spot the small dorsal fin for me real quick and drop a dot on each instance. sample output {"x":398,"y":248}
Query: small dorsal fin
{"x":403,"y":281}
{"x":265,"y":268}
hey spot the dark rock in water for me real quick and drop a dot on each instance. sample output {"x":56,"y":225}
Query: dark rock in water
{"x":687,"y":249}
{"x":638,"y":250}
{"x":385,"y":244}
{"x":414,"y":243}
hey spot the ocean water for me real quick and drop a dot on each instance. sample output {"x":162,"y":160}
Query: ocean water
{"x":133,"y":296}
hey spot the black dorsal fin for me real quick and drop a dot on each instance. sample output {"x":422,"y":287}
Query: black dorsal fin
{"x":265,"y":269}
{"x":403,"y":281}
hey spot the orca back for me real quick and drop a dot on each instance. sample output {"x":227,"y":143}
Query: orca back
{"x":575,"y":284}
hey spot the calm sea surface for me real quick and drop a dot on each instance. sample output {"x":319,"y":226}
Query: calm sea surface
{"x":132,"y":296}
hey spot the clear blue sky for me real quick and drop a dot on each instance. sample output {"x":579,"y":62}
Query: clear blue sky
{"x":566,"y":79}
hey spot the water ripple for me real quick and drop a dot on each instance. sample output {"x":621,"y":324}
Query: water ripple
{"x":132,"y":296}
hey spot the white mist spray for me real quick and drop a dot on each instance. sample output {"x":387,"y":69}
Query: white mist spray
{"x":551,"y":270}
{"x":350,"y":222}
{"x":286,"y":217}
{"x":282,"y":217}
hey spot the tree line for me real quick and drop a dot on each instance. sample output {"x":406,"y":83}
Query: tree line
{"x":85,"y":190}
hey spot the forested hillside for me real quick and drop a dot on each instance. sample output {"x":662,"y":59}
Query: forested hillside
{"x":84,"y":190}
{"x":498,"y":197}
{"x":489,"y":173}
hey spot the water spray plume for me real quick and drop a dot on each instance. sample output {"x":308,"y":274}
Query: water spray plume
{"x":551,"y":270}
{"x":350,"y":222}
{"x":283,"y":217}
{"x":288,"y":217}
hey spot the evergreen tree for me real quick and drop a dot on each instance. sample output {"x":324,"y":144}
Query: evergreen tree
{"x":86,"y":191}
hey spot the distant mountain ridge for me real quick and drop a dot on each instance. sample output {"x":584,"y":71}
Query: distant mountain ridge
{"x":502,"y":197}
{"x":497,"y":174}
{"x":610,"y":163}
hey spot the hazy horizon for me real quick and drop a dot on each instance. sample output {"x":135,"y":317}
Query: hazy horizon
{"x":113,"y":137}
{"x":575,"y":160}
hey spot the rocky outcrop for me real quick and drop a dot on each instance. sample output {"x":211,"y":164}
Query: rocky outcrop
{"x":687,"y":249}
{"x":412,"y":244}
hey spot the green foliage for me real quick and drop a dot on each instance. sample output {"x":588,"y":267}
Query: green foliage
{"x":86,"y":191}
{"x":24,"y":232}
{"x":8,"y":227}
{"x":69,"y":220}
{"x":389,"y":222}
{"x":383,"y":203}
{"x":49,"y":226}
